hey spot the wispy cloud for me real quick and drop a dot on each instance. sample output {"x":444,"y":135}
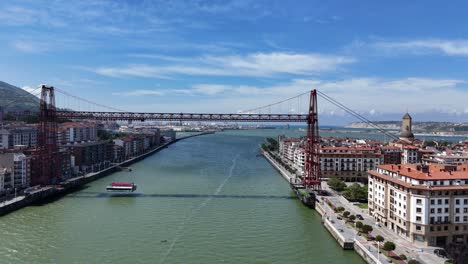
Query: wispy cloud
{"x":448,"y":47}
{"x":257,"y":64}
{"x":28,"y":46}
{"x":369,"y":96}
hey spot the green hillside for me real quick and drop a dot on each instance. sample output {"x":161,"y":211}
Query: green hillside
{"x":13,"y":98}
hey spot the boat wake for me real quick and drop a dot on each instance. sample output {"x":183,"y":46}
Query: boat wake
{"x":198,"y":208}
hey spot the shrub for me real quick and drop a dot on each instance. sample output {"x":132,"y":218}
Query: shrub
{"x":389,"y":246}
{"x":352,"y":217}
{"x":413,"y":261}
{"x":403,"y":257}
{"x":379,"y":238}
{"x":346,"y":214}
{"x":367,"y":228}
{"x":359,"y":224}
{"x":340,"y":209}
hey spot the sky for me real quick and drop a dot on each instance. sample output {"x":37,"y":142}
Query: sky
{"x":380,"y":58}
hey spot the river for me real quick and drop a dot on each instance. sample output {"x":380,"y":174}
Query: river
{"x":207,"y":199}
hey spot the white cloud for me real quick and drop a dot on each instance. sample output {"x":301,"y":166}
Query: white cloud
{"x":449,"y":47}
{"x":257,"y":64}
{"x":28,"y":47}
{"x":139,"y":93}
{"x":210,"y":89}
{"x":369,"y":96}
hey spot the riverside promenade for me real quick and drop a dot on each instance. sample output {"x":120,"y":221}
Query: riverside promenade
{"x":44,"y":193}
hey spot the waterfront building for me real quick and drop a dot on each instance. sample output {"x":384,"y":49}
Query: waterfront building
{"x":18,"y":136}
{"x":349,"y":163}
{"x":90,"y":156}
{"x":299,"y":159}
{"x":5,"y":179}
{"x":424,"y":204}
{"x":168,"y":134}
{"x":19,"y":166}
{"x":75,"y":132}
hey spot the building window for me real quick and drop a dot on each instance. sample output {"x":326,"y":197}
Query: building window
{"x":432,"y":210}
{"x":457,"y":219}
{"x":418,"y":218}
{"x":457,"y":201}
{"x":446,"y":201}
{"x":418,"y":227}
{"x":456,"y":228}
{"x":465,"y":218}
{"x":446,"y":210}
{"x":445,"y":228}
{"x":439,"y":201}
{"x":432,"y":228}
{"x":457,"y":210}
{"x":418,"y":201}
{"x":418,"y":209}
{"x":432,"y":202}
{"x":439,"y":210}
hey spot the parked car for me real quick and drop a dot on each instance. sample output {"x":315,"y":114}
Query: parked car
{"x":440,"y":252}
{"x":358,"y":216}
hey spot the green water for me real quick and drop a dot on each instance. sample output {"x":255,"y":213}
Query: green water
{"x":207,"y":199}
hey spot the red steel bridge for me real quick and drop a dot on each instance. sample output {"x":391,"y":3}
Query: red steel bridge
{"x":46,"y":157}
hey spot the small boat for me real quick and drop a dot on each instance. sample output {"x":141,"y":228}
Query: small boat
{"x":121,"y":187}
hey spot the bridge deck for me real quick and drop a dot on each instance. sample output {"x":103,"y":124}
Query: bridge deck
{"x":182,"y":116}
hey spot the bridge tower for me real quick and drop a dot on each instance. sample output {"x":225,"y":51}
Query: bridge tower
{"x":46,"y":162}
{"x":312,"y":158}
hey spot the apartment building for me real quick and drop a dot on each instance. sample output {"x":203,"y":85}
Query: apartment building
{"x":74,"y":132}
{"x":424,"y":204}
{"x":392,"y":155}
{"x":19,"y":166}
{"x":25,"y":136}
{"x":349,"y":163}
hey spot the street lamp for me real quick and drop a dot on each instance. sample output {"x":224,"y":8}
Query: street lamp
{"x":378,"y":251}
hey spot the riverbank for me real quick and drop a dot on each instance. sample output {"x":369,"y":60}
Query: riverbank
{"x":47,"y":193}
{"x":344,"y":235}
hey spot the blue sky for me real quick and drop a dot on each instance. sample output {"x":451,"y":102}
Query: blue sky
{"x":377,"y":57}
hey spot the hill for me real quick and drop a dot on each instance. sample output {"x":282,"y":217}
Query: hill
{"x":13,"y":99}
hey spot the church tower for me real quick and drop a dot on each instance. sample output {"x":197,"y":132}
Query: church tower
{"x":406,"y":124}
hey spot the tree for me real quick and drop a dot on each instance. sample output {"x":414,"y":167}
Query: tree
{"x":9,"y":117}
{"x":379,"y":238}
{"x":403,"y":257}
{"x":352,"y":217}
{"x":336,"y":184}
{"x":355,"y":192}
{"x":340,"y":209}
{"x":389,"y":246}
{"x":413,"y":261}
{"x":359,"y":224}
{"x":272,"y":144}
{"x":367,"y":229}
{"x":346,"y":214}
{"x":458,"y":252}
